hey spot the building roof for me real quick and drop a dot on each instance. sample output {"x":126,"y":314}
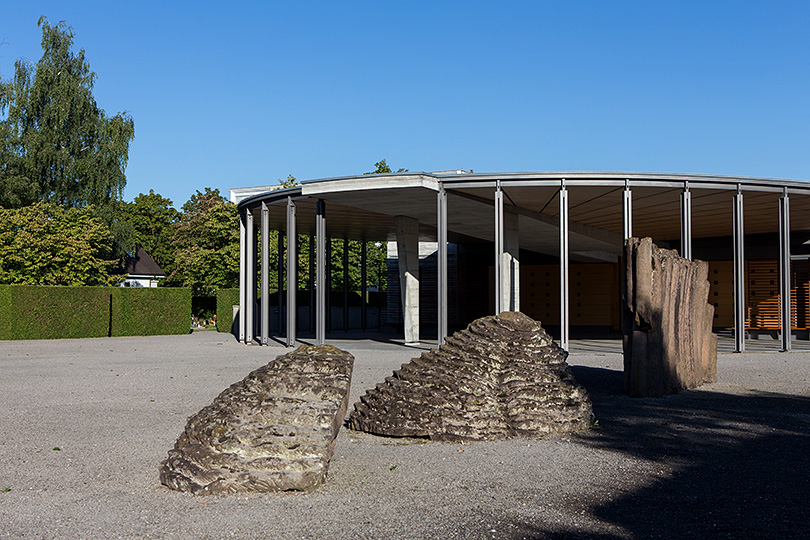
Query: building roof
{"x":141,"y":263}
{"x":364,"y":207}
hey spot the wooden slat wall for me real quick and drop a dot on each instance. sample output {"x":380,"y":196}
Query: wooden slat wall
{"x":762,"y":294}
{"x":593,"y":295}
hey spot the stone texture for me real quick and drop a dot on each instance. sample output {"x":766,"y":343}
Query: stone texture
{"x":667,"y":321}
{"x":273,"y":431}
{"x":501,"y":377}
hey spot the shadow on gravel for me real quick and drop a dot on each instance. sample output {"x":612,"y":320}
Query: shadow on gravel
{"x":741,"y":462}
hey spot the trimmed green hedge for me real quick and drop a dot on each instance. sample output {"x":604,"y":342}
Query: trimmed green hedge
{"x":226,"y":299}
{"x":42,"y":312}
{"x":138,"y":311}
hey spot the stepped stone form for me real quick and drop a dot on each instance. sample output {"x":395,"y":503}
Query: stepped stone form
{"x":667,"y":321}
{"x":501,"y":377}
{"x":273,"y":431}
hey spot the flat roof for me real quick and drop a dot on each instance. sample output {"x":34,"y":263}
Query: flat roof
{"x":364,"y":207}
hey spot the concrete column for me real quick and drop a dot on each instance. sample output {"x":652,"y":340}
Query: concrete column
{"x":510,"y":264}
{"x":408,"y":260}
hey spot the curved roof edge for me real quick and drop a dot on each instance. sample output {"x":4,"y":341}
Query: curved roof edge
{"x":431,"y":180}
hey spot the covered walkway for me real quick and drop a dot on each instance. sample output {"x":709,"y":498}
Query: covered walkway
{"x":568,"y":226}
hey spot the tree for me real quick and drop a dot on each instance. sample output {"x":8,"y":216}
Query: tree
{"x":150,"y":218}
{"x":288,"y":183}
{"x":57,"y":144}
{"x":46,"y":244}
{"x":206,"y":244}
{"x":381,"y":167}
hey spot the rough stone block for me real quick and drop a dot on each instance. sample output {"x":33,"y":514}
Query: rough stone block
{"x":501,"y":377}
{"x":273,"y":431}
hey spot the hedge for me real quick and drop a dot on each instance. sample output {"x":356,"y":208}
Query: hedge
{"x":43,"y":312}
{"x":138,"y":311}
{"x":226,"y":299}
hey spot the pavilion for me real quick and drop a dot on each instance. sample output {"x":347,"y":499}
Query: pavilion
{"x":546,"y":243}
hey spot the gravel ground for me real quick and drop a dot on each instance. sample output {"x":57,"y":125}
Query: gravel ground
{"x":85,"y":424}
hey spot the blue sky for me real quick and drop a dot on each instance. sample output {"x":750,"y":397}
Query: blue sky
{"x":243,"y":93}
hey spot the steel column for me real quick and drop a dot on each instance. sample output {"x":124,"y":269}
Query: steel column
{"x":250,"y":276}
{"x":311,"y":283}
{"x":292,"y":273}
{"x":564,"y":267}
{"x":320,"y":280}
{"x":739,"y":274}
{"x":242,"y":274}
{"x":498,"y":248}
{"x":784,"y":269}
{"x":363,"y":287}
{"x":441,"y":226}
{"x":265,"y":285}
{"x":280,"y":280}
{"x":627,"y":211}
{"x":345,"y":284}
{"x":686,"y":222}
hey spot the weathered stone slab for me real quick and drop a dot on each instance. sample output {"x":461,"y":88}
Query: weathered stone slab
{"x":501,"y":377}
{"x":667,"y":321}
{"x":273,"y":431}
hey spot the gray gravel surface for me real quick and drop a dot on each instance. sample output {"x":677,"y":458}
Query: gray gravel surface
{"x":85,"y":423}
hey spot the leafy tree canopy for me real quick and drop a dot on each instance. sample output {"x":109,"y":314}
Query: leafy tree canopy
{"x":46,"y":244}
{"x":206,"y":244}
{"x":381,"y":167}
{"x":150,"y":218}
{"x":56,"y":144}
{"x":288,"y":183}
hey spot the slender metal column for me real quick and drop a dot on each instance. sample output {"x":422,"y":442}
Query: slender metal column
{"x":498,"y":248}
{"x":265,"y":255}
{"x":441,"y":230}
{"x":784,"y":268}
{"x":321,"y":285}
{"x":280,"y":280}
{"x":345,"y":284}
{"x":627,"y":211}
{"x":363,"y":284}
{"x":311,"y":283}
{"x":564,"y":267}
{"x":686,"y":222}
{"x":739,"y":274}
{"x":242,"y":274}
{"x":250,"y":278}
{"x":292,"y":273}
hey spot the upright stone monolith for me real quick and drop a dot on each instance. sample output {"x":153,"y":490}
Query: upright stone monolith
{"x":667,"y":321}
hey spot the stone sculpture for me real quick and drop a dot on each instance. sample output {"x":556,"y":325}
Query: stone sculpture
{"x":273,"y":431}
{"x":501,"y":377}
{"x":667,"y":321}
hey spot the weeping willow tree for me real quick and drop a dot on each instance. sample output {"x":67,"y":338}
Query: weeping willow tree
{"x":56,"y":144}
